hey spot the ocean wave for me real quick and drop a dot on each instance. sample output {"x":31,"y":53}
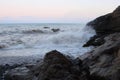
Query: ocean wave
{"x":37,"y":40}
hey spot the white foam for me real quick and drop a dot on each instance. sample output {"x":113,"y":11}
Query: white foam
{"x":69,"y":40}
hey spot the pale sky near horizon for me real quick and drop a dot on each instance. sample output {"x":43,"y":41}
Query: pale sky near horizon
{"x":47,"y":11}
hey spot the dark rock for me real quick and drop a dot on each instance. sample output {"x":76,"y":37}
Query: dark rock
{"x":2,"y":70}
{"x":56,"y":66}
{"x":104,"y":26}
{"x":96,"y":77}
{"x":104,"y":60}
{"x":95,"y":41}
{"x":2,"y":46}
{"x":55,"y":30}
{"x":107,"y":24}
{"x":116,"y":12}
{"x":46,"y":27}
{"x":19,"y":73}
{"x":101,"y":24}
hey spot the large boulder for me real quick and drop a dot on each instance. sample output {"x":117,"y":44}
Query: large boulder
{"x":56,"y":66}
{"x":107,"y":24}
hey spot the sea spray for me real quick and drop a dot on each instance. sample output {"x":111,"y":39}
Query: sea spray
{"x":30,"y":42}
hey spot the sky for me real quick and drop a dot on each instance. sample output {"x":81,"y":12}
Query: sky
{"x":54,"y":11}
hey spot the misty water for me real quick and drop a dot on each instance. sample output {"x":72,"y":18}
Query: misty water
{"x":29,"y":42}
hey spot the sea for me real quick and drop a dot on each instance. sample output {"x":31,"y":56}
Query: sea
{"x":29,"y":42}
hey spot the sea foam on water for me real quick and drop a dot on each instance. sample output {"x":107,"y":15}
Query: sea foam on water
{"x":29,"y":42}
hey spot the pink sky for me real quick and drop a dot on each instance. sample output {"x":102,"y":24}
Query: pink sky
{"x":54,"y":10}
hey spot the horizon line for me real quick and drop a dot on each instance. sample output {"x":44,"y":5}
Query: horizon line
{"x":43,"y":23}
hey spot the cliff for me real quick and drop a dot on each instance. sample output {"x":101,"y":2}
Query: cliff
{"x":104,"y":59}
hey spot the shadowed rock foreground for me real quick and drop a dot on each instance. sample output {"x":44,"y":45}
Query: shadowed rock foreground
{"x":55,"y":66}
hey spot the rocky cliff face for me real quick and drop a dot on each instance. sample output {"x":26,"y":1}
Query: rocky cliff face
{"x":104,"y":60}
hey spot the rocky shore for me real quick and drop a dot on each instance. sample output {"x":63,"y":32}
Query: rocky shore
{"x":55,"y":66}
{"x":102,"y":63}
{"x":104,"y":59}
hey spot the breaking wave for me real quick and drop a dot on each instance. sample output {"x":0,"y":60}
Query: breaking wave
{"x":26,"y":40}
